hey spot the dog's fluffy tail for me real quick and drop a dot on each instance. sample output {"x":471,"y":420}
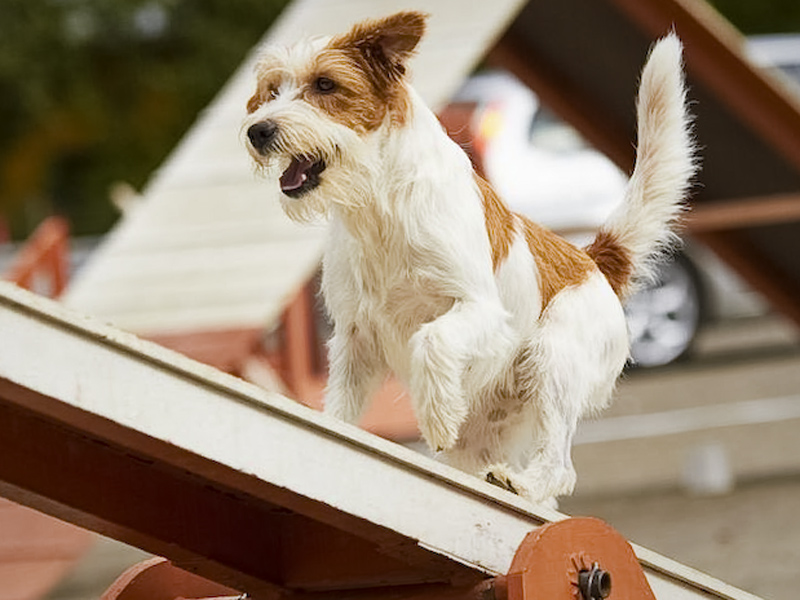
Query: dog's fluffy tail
{"x":629,"y":244}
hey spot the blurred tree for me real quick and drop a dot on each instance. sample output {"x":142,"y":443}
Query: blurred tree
{"x":761,"y":16}
{"x":97,"y":91}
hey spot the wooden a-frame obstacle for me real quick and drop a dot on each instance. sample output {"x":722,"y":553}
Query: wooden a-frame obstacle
{"x":243,"y":491}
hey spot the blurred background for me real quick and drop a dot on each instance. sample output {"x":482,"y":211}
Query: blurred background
{"x":699,"y":458}
{"x":97,"y":93}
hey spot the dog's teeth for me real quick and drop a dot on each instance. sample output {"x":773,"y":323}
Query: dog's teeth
{"x":303,"y":177}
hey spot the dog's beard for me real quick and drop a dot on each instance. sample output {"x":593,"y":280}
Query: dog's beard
{"x":342,"y":184}
{"x":318,"y":168}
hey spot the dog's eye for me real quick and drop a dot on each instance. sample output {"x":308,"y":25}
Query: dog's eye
{"x":324,"y":85}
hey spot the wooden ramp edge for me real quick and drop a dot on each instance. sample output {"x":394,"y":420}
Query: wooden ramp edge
{"x":239,"y":485}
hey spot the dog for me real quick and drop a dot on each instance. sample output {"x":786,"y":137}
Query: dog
{"x":504,"y":333}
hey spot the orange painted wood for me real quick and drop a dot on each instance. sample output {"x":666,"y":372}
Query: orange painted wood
{"x":159,"y":579}
{"x":456,"y":119}
{"x":299,"y":343}
{"x":224,"y":349}
{"x":744,"y":213}
{"x":548,"y":560}
{"x":782,"y":290}
{"x":36,"y":551}
{"x":486,"y":590}
{"x":390,"y":414}
{"x":715,"y":53}
{"x":147,"y":498}
{"x":42,"y":265}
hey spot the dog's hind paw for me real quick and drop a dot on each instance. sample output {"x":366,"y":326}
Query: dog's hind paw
{"x":501,"y":475}
{"x":501,"y":481}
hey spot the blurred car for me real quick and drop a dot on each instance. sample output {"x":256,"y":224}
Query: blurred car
{"x":544,"y":169}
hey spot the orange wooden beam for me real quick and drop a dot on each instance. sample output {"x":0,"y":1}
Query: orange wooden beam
{"x":715,"y":54}
{"x":159,"y":579}
{"x":46,"y":253}
{"x":574,"y":559}
{"x":226,"y":349}
{"x":762,"y":274}
{"x":300,"y":345}
{"x":744,"y":213}
{"x":215,"y":532}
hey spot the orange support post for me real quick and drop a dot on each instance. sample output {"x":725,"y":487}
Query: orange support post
{"x":42,"y":265}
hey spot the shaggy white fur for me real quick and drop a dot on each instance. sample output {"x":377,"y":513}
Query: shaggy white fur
{"x":504,"y":335}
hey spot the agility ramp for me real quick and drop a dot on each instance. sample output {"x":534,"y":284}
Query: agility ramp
{"x":253,"y":491}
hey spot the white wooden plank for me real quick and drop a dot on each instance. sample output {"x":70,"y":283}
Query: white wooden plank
{"x":225,"y":421}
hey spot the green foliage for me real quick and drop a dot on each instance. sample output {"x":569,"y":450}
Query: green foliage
{"x":98,"y":91}
{"x":761,"y":16}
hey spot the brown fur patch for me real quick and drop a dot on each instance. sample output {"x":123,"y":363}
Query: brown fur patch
{"x":499,"y":221}
{"x":253,"y":103}
{"x":560,"y":263}
{"x":378,"y":50}
{"x":364,"y":71}
{"x":613,"y":260}
{"x":354,"y":101}
{"x":267,"y":82}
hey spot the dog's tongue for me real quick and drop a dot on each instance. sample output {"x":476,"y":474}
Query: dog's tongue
{"x":296,"y":174}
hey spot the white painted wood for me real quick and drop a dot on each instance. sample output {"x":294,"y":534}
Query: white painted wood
{"x":218,"y":418}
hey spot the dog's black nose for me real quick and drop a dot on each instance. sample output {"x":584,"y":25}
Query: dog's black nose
{"x":262,"y":135}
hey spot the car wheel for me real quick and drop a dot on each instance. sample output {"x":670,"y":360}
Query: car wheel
{"x":664,"y":318}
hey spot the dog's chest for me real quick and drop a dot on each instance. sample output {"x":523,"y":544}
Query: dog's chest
{"x":396,"y":291}
{"x":383,"y":286}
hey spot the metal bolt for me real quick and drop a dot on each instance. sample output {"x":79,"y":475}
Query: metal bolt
{"x":594,"y":583}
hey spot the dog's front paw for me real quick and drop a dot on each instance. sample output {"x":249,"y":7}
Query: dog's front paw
{"x":343,"y":408}
{"x":440,"y":424}
{"x":439,"y":402}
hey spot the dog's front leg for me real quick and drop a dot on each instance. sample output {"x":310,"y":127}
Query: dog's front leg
{"x":469,"y":335}
{"x":356,"y":369}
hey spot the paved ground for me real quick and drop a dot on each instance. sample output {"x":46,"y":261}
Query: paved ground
{"x":737,"y":403}
{"x":749,"y":538}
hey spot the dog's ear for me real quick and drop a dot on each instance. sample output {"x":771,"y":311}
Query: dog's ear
{"x":386,"y":44}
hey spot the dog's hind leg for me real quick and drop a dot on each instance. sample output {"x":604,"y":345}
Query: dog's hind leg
{"x":550,"y":410}
{"x":356,"y":369}
{"x":549,"y":471}
{"x":568,"y":371}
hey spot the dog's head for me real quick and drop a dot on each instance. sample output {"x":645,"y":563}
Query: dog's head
{"x":317,"y":103}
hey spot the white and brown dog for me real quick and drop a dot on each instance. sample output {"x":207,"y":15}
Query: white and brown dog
{"x":505,"y":334}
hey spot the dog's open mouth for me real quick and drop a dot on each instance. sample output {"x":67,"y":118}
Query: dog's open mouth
{"x":301,"y":176}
